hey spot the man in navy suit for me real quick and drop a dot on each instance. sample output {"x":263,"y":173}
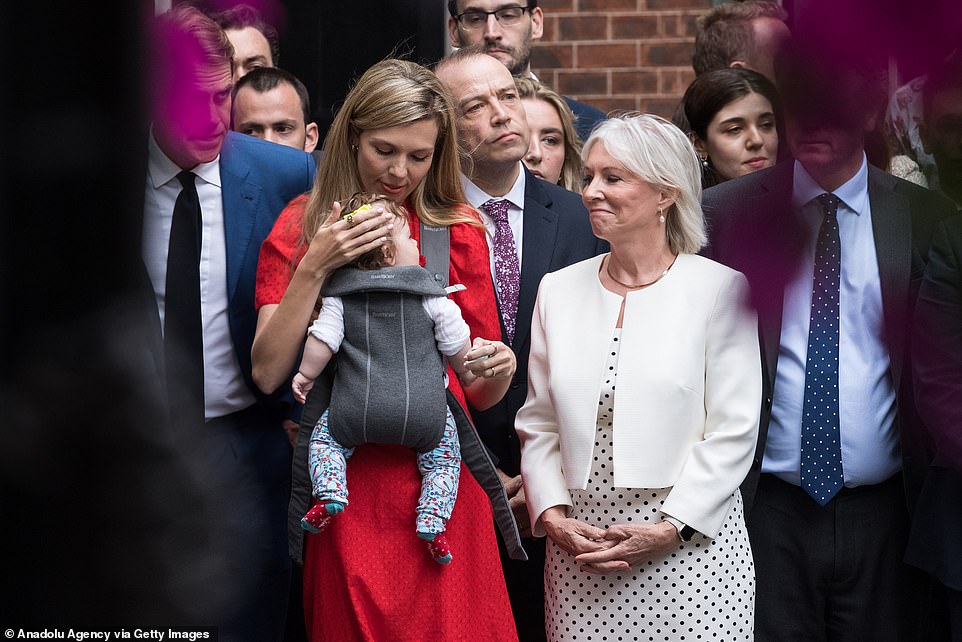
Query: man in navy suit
{"x":506,"y":30}
{"x":549,"y":229}
{"x":833,"y":249}
{"x":937,"y":344}
{"x":232,"y":187}
{"x":937,"y":367}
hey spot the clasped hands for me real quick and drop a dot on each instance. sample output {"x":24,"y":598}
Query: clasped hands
{"x":609,"y":550}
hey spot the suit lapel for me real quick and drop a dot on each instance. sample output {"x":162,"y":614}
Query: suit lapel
{"x":154,"y":331}
{"x":540,"y":227}
{"x":770,"y":335}
{"x":892,"y":229}
{"x":240,"y":199}
{"x":772,"y":214}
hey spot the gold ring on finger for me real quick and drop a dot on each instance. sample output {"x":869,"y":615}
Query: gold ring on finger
{"x":350,"y":220}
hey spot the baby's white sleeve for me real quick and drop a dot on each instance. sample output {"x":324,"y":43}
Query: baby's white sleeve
{"x":329,"y":325}
{"x":450,"y":329}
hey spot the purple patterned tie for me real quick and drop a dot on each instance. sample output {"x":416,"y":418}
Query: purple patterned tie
{"x":506,"y":268}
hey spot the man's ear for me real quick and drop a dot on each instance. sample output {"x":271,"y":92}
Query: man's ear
{"x":453,"y":32}
{"x":738,"y":64}
{"x":537,"y":23}
{"x":310,"y":143}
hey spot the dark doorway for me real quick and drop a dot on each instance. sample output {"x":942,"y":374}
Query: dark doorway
{"x":329,"y":44}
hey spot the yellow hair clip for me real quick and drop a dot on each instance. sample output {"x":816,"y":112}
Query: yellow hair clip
{"x":350,"y":217}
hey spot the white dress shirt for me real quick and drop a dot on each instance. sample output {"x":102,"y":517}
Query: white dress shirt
{"x":869,"y":437}
{"x":225,"y":390}
{"x":515,"y":197}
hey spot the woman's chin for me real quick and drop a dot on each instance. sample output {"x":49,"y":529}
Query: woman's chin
{"x":600,"y":229}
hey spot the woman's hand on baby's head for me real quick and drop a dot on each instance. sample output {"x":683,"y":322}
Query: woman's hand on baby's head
{"x":337,"y":242}
{"x":361,"y":220}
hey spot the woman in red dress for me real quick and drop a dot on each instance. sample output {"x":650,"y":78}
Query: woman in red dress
{"x":366,"y":577}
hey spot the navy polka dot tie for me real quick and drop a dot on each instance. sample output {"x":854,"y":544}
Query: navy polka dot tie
{"x":821,"y":451}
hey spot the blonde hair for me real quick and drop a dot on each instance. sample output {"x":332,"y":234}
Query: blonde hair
{"x":571,"y":169}
{"x":391,"y":93}
{"x":658,"y":152}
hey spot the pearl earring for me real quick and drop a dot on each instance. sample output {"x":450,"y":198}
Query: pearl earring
{"x":704,"y":161}
{"x":661,"y":217}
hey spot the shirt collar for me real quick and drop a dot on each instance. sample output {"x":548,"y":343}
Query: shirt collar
{"x":853,"y":194}
{"x":161,"y":170}
{"x":478,"y":197}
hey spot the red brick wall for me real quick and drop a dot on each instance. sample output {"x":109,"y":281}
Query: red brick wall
{"x":619,"y":54}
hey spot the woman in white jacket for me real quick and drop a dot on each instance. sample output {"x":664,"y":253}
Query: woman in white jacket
{"x":642,"y":486}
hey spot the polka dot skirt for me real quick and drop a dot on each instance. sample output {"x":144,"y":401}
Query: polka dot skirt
{"x":704,"y":590}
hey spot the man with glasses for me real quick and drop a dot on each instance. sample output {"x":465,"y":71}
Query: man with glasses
{"x":505,"y":30}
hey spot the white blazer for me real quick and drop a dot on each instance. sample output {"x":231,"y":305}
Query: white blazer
{"x":687,"y":400}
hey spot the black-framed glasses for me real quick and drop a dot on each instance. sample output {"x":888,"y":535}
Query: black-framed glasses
{"x":506,"y":16}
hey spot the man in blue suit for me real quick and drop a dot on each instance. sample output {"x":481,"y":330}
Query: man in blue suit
{"x":212,"y":196}
{"x":549,"y":229}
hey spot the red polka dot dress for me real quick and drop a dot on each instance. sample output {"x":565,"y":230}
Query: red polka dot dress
{"x":368,"y":577}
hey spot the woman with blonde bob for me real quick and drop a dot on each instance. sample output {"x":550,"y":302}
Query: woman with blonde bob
{"x":554,"y":149}
{"x":393,"y":136}
{"x":637,"y":490}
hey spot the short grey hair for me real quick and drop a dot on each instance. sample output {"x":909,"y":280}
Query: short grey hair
{"x":660,"y":153}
